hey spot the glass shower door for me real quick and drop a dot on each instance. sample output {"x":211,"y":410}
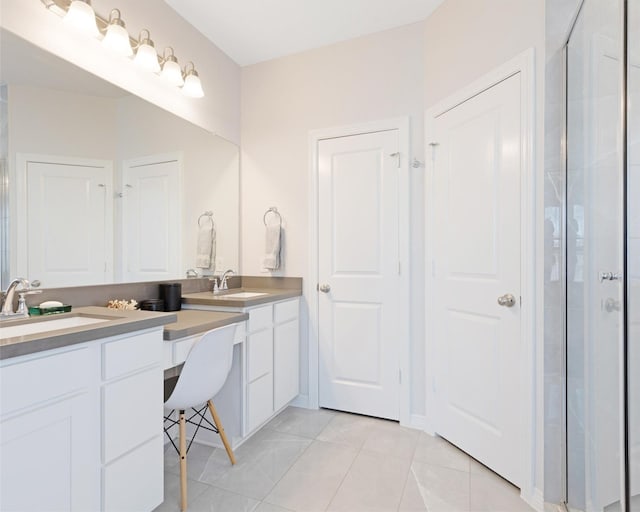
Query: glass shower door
{"x":594,"y":219}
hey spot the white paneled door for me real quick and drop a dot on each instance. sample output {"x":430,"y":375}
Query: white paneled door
{"x":68,"y":216}
{"x":477,"y":277}
{"x":359,"y":282}
{"x":151,"y":218}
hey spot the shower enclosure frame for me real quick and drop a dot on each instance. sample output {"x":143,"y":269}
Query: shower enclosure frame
{"x":624,"y":348}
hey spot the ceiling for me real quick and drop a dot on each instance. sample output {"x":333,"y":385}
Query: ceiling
{"x":251,"y":31}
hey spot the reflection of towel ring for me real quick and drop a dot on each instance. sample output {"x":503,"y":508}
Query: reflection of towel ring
{"x":275,"y":211}
{"x":208,"y":214}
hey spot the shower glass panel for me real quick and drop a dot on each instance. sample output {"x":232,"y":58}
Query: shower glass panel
{"x":594,"y":220}
{"x":633,"y":251}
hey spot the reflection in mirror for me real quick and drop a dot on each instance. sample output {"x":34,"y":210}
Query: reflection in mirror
{"x":103,"y":186}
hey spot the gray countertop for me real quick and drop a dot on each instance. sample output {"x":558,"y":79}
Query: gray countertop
{"x":192,"y":322}
{"x":119,"y":322}
{"x":225,"y":300}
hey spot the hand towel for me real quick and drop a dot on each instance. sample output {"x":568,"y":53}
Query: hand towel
{"x":205,"y":253}
{"x":271,"y":259}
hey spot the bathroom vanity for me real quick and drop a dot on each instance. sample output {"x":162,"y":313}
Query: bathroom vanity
{"x":81,"y":407}
{"x":81,"y":421}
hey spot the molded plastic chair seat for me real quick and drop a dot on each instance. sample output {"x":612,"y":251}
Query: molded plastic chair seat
{"x":203,"y":375}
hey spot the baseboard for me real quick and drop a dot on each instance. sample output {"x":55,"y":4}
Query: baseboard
{"x":417,"y":421}
{"x":301,"y":401}
{"x":535,"y":500}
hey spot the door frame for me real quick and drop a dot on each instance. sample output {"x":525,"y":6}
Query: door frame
{"x":532,"y":227}
{"x":310,"y":291}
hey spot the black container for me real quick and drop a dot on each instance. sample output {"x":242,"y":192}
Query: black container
{"x":152,"y":305}
{"x":171,"y":293}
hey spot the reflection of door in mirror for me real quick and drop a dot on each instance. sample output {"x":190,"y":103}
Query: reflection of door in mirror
{"x":65,"y":212}
{"x":151,"y":218}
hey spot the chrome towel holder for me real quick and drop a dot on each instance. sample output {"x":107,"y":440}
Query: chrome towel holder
{"x":209,"y":215}
{"x":274,"y":210}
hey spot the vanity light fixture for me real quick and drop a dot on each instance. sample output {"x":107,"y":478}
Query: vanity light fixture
{"x":117,"y":37}
{"x":192,"y":86}
{"x":171,"y":71}
{"x":146,"y":56}
{"x":81,"y":17}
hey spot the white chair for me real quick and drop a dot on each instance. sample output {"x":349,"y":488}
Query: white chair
{"x":203,"y":375}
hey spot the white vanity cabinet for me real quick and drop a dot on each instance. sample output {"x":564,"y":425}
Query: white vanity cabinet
{"x":272,"y":360}
{"x":81,"y":426}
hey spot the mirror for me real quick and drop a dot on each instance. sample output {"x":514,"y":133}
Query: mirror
{"x":103,"y":186}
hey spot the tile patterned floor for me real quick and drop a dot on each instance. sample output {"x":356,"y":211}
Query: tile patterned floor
{"x":307,"y":461}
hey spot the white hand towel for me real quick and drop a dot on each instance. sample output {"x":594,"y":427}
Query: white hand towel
{"x":206,"y":244}
{"x":271,"y":259}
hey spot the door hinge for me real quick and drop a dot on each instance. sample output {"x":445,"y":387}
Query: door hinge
{"x":400,"y":375}
{"x":396,"y":154}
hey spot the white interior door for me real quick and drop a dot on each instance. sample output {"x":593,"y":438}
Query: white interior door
{"x":151,"y":219}
{"x":69,"y":220}
{"x":476,"y":260}
{"x":359,"y":273}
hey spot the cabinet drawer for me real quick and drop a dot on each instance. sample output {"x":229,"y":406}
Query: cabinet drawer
{"x":260,"y":318}
{"x":259,"y":401}
{"x":132,"y":412}
{"x":135,"y":482}
{"x":126,"y":355}
{"x":43,"y":378}
{"x":260,"y":354}
{"x":284,"y":311}
{"x":182,"y":348}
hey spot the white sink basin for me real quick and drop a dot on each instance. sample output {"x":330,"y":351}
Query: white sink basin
{"x":242,"y":295}
{"x":54,"y":324}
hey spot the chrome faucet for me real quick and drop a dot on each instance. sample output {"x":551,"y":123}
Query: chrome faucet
{"x":7,"y":299}
{"x":223,"y":279}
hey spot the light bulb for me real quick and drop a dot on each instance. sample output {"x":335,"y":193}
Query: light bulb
{"x":192,"y":86}
{"x":146,"y":56}
{"x":81,"y":18}
{"x":117,"y":37}
{"x":171,"y":71}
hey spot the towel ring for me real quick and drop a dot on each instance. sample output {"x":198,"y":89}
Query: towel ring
{"x":275,"y":211}
{"x":208,"y":214}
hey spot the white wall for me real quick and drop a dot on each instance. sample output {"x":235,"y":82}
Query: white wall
{"x":370,"y":78}
{"x":218,"y":111}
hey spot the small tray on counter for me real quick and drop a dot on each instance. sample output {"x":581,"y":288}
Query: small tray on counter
{"x":38,"y":311}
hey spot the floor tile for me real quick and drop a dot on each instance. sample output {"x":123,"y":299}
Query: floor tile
{"x":349,"y":429}
{"x":439,"y":452}
{"x":261,"y":462}
{"x":217,"y":500}
{"x":268,"y":507}
{"x":172,"y":492}
{"x":391,"y":439}
{"x":375,"y":482}
{"x":301,"y":422}
{"x":491,"y":493}
{"x":412,"y":500}
{"x":313,"y":480}
{"x":441,"y":489}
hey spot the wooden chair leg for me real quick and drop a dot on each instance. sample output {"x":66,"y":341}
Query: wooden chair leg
{"x":183,"y":462}
{"x":220,"y":428}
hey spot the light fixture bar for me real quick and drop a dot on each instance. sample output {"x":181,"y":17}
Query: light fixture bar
{"x":194,"y":89}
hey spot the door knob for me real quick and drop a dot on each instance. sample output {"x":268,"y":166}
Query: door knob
{"x":609,"y":276}
{"x":507,"y":300}
{"x":325,"y":288}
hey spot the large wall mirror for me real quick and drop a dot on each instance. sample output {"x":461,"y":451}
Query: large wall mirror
{"x":99,"y":186}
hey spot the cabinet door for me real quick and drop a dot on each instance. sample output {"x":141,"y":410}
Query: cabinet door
{"x":286,"y":363}
{"x":50,"y":458}
{"x":259,"y":401}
